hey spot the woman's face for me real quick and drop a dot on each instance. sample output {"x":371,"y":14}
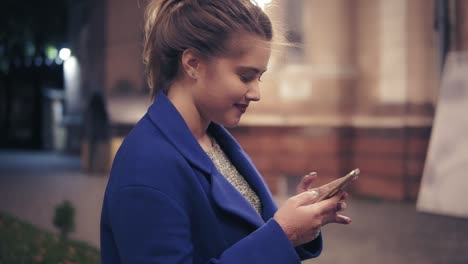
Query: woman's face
{"x":227,"y":85}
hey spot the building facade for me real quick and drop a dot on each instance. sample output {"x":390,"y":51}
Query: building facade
{"x":359,"y":89}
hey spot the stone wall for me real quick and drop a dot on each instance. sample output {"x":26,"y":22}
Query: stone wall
{"x":391,"y":159}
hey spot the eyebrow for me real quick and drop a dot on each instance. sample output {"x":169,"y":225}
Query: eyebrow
{"x":247,"y":68}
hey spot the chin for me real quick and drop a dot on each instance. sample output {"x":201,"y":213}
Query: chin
{"x":233,"y":122}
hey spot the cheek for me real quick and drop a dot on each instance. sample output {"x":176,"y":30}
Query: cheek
{"x":223,"y":84}
{"x":228,"y":87}
{"x":235,"y":87}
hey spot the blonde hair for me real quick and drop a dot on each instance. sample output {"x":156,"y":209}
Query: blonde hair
{"x":207,"y":26}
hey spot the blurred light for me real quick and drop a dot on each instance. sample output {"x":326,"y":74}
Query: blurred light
{"x":72,"y":84}
{"x":30,"y":50}
{"x":49,"y":61}
{"x":262,"y":3}
{"x":51,"y":52}
{"x":64,"y":54}
{"x":70,"y":68}
{"x":58,"y":61}
{"x":38,"y":61}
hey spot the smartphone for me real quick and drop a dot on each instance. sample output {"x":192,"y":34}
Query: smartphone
{"x":342,"y":183}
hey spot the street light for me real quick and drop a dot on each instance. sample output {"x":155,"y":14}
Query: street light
{"x":64,"y":54}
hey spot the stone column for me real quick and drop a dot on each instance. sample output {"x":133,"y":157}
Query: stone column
{"x":462,"y":25}
{"x":422,"y":56}
{"x":124,"y":67}
{"x":330,"y":51}
{"x":392,"y":87}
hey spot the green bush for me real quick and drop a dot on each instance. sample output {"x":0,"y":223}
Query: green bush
{"x":64,"y":219}
{"x":21,"y":242}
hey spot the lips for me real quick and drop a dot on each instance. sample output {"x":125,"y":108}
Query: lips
{"x":242,"y":107}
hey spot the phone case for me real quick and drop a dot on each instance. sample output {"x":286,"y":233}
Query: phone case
{"x":341,"y":185}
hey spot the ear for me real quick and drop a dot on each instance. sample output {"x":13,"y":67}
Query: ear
{"x":191,"y":63}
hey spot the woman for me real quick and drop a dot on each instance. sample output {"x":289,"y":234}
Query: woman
{"x":181,"y":189}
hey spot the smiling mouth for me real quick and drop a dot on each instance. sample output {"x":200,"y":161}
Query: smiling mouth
{"x":242,"y":107}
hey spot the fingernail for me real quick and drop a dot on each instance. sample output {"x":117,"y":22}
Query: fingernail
{"x":342,"y":205}
{"x":314,"y":193}
{"x":313,"y":173}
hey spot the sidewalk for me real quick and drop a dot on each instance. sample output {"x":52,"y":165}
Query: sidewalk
{"x":33,"y":184}
{"x":384,"y":232}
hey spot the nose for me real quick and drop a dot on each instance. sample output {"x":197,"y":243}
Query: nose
{"x":253,"y":94}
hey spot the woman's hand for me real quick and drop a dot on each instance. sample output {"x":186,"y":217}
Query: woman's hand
{"x":308,"y":180}
{"x":301,"y":218}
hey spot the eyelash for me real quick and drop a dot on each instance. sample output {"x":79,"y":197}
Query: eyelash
{"x":247,"y":79}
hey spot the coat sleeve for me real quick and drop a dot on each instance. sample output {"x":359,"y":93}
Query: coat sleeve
{"x":150,"y":227}
{"x":310,"y":250}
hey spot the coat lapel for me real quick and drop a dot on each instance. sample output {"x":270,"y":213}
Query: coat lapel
{"x":246,"y":168}
{"x":166,"y":117}
{"x":230,"y":200}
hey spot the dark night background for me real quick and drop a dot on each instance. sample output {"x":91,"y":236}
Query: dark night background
{"x":27,"y":30}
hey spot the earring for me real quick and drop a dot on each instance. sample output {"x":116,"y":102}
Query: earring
{"x":194,"y":74}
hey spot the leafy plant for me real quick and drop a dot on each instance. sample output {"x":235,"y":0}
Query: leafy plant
{"x":64,"y":218}
{"x":22,"y":242}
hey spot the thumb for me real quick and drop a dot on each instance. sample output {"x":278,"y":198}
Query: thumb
{"x":330,"y":204}
{"x":306,"y":197}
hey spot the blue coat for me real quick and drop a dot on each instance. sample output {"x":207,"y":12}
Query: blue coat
{"x":166,"y":202}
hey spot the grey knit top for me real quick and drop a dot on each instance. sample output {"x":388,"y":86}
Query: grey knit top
{"x":228,"y":170}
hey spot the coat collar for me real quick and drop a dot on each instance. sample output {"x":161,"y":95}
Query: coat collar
{"x":171,"y":123}
{"x":166,"y":117}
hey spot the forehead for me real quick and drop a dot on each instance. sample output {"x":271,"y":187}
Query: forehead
{"x":249,"y":51}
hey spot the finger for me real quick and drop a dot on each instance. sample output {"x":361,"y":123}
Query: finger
{"x":341,"y":219}
{"x":329,"y":206}
{"x":345,"y":196}
{"x":341,"y":206}
{"x":309,"y":179}
{"x":304,"y":198}
{"x":306,"y":181}
{"x":336,"y":218}
{"x":315,"y":193}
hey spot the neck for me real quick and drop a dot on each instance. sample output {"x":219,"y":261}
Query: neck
{"x":179,"y":96}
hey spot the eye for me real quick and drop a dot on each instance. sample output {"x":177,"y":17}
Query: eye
{"x":248,"y":78}
{"x":250,"y":75}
